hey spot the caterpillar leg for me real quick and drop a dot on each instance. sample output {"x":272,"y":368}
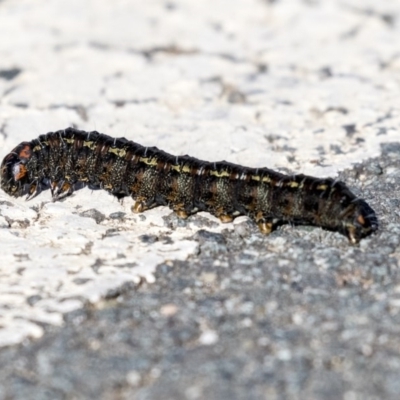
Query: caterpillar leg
{"x":182,"y":214}
{"x":351,"y":232}
{"x":139,"y":206}
{"x":61,"y":189}
{"x":224,"y":216}
{"x":33,"y":191}
{"x":180,"y":211}
{"x":265,"y":226}
{"x":143,"y":204}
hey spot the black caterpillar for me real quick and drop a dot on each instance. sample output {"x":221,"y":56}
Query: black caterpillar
{"x":68,"y":159}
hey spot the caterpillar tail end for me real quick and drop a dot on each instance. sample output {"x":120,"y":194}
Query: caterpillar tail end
{"x":362,"y":223}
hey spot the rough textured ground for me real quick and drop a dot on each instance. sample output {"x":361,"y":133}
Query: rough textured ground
{"x":98,"y":303}
{"x":297,"y":315}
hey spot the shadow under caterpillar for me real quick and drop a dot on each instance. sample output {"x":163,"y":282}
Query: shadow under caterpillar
{"x":68,"y":159}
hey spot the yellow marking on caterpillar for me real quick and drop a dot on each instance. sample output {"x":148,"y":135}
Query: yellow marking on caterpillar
{"x":182,"y":168}
{"x":148,"y":160}
{"x":266,"y":179}
{"x":69,"y":140}
{"x":118,"y":152}
{"x":322,"y":187}
{"x":90,"y":144}
{"x":219,"y":174}
{"x":37,"y":148}
{"x":293,"y":184}
{"x":256,"y":177}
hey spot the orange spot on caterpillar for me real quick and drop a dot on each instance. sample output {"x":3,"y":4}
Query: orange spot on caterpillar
{"x":20,"y":172}
{"x":25,"y":152}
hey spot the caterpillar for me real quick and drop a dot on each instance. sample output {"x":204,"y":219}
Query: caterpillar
{"x":68,"y":159}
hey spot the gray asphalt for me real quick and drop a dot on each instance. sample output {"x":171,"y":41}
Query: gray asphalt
{"x":300,"y":314}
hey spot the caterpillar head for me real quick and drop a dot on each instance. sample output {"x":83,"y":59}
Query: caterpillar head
{"x":13,"y":170}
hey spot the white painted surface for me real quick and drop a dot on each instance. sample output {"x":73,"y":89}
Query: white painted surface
{"x":184,"y":76}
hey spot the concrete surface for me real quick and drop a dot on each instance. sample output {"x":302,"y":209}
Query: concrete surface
{"x":299,"y":86}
